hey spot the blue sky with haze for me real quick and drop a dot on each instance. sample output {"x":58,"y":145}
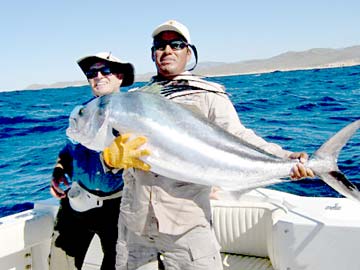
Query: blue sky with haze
{"x":41,"y":40}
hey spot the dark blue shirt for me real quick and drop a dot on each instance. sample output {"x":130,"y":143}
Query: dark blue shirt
{"x":85,"y":167}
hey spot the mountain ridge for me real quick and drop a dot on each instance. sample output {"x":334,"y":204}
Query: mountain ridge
{"x":290,"y":60}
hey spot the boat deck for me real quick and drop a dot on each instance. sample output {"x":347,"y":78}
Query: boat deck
{"x":260,"y":230}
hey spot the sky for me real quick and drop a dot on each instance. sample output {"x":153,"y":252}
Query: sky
{"x":40,"y":40}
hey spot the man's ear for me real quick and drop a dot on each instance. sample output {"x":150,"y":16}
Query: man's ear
{"x":153,"y":54}
{"x":188,"y":57}
{"x":120,"y":76}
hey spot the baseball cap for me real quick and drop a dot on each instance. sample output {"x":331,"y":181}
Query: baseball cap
{"x":175,"y":26}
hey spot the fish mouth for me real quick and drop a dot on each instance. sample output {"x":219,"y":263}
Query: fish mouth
{"x":72,"y":132}
{"x":79,"y":135}
{"x":77,"y":129}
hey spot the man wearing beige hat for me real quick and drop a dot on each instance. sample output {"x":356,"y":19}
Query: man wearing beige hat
{"x":166,"y":216}
{"x":91,"y":206}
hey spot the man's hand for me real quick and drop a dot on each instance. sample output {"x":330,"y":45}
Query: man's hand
{"x":299,"y":171}
{"x":58,"y":178}
{"x":125,"y":154}
{"x":214,"y":194}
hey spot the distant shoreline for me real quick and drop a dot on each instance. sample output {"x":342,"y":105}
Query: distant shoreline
{"x":145,"y":78}
{"x":281,"y":70}
{"x":317,"y":58}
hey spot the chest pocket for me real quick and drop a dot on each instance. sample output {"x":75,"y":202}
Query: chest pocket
{"x":194,"y":103}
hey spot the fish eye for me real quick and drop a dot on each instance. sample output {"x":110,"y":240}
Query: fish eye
{"x":81,"y":112}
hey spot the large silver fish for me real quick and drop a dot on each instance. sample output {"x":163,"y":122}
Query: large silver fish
{"x":187,"y":147}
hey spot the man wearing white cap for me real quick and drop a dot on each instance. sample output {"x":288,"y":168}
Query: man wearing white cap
{"x":91,"y":206}
{"x":161,"y":215}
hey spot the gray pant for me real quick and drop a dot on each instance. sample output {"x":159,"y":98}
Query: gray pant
{"x":59,"y":260}
{"x":196,"y":249}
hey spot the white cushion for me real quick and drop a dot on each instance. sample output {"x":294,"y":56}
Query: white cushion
{"x":244,"y":228}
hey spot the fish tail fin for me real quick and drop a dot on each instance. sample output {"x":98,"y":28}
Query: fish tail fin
{"x":328,"y":154}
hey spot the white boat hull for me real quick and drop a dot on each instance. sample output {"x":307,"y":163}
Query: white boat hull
{"x":261,"y":230}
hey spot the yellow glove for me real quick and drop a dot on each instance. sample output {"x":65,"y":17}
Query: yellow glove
{"x":124,"y":154}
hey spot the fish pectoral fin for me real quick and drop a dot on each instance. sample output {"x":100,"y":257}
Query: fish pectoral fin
{"x":153,"y":88}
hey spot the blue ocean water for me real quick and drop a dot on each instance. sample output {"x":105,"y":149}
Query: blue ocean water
{"x":296,"y":109}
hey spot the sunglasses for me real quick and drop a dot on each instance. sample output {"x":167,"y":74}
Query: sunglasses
{"x":176,"y":45}
{"x":93,"y":73}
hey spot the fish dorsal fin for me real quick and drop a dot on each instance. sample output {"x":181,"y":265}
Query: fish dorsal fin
{"x":180,"y":85}
{"x":152,"y":88}
{"x":159,"y":88}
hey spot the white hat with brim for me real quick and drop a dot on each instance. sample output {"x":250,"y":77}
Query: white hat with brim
{"x":115,"y":64}
{"x":175,"y":26}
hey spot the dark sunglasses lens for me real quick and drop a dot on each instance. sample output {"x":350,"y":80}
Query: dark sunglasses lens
{"x":177,"y":45}
{"x":158,"y":45}
{"x":174,"y":44}
{"x":92,"y":73}
{"x":105,"y":71}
